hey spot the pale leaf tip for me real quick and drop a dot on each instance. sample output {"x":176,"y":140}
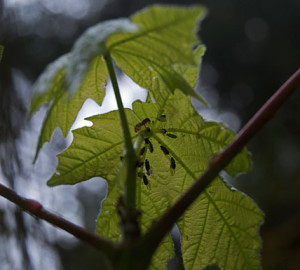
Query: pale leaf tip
{"x":89,"y":45}
{"x":43,"y":82}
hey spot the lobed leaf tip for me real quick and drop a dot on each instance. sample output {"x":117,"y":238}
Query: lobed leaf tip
{"x":90,"y":44}
{"x":43,"y":82}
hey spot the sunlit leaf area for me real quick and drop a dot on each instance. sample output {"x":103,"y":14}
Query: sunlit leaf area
{"x":62,"y":142}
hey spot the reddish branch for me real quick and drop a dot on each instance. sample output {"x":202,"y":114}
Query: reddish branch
{"x":155,"y":235}
{"x":36,"y":209}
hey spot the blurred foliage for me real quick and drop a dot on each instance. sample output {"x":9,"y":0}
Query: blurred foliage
{"x":253,"y":46}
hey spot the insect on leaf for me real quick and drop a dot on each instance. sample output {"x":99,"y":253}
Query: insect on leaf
{"x":222,"y":223}
{"x":164,"y":149}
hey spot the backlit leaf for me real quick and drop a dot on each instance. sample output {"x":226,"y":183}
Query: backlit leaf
{"x":222,"y":223}
{"x":96,"y":151}
{"x":64,"y":108}
{"x":90,"y":45}
{"x":221,"y":227}
{"x":165,"y":38}
{"x":153,"y":43}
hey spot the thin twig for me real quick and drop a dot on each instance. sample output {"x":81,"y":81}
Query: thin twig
{"x":156,"y":233}
{"x":36,"y":209}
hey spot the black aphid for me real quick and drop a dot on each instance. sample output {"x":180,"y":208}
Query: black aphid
{"x":173,"y":163}
{"x":150,"y":145}
{"x":142,"y":151}
{"x":163,"y":131}
{"x":171,"y":135}
{"x":145,"y":121}
{"x":137,"y":127}
{"x":148,"y":168}
{"x":121,"y":158}
{"x":165,"y":150}
{"x":145,"y":180}
{"x":162,"y":118}
{"x":147,"y":165}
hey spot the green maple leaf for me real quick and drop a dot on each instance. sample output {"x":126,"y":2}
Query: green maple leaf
{"x":222,"y":224}
{"x":159,"y":57}
{"x":216,"y":218}
{"x":151,"y":44}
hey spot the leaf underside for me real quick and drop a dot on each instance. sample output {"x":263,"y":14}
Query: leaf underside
{"x":221,"y":226}
{"x":64,"y":108}
{"x":162,"y":42}
{"x":222,"y":223}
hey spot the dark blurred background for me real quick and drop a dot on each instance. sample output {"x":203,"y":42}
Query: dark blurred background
{"x":252,"y":48}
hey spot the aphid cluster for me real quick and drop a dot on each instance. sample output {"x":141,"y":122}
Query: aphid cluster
{"x":143,"y":165}
{"x":144,"y":168}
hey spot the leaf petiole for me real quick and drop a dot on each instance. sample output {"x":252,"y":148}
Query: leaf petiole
{"x":130,"y":153}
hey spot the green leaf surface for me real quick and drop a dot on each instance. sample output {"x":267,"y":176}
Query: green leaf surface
{"x":219,"y":214}
{"x":165,"y":38}
{"x":49,"y":84}
{"x":64,"y":108}
{"x":221,"y":228}
{"x":222,"y":223}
